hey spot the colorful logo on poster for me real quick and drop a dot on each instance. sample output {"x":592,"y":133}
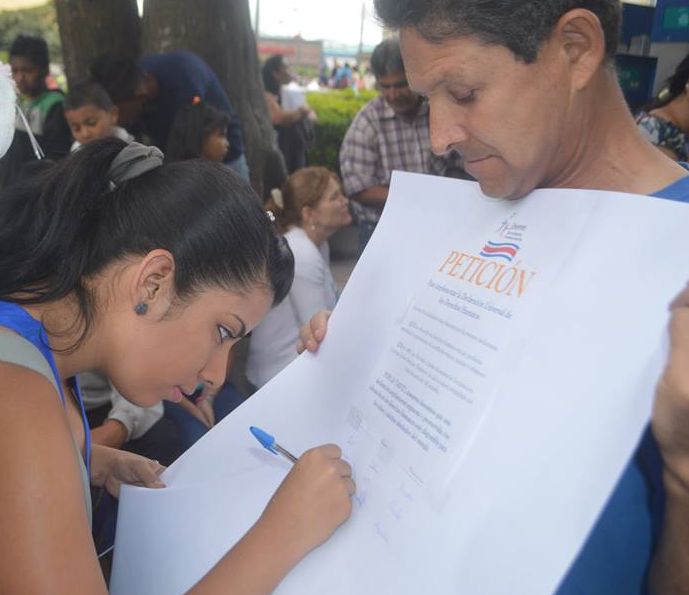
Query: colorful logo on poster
{"x":504,"y":250}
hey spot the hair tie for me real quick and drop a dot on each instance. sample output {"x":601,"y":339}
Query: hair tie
{"x":276,"y":195}
{"x":132,"y":161}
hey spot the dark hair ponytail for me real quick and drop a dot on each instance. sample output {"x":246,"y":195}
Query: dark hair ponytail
{"x":66,"y":225}
{"x":674,"y":86}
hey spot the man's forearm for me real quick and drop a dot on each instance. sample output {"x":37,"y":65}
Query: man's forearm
{"x":670,"y":567}
{"x":375,"y":196}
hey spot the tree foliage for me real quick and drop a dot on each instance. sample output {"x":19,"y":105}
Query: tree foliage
{"x":336,"y":110}
{"x":40,"y":21}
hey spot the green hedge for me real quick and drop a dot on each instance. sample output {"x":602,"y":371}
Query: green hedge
{"x":336,"y":110}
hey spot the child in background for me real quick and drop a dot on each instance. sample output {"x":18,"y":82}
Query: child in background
{"x":91,"y":115}
{"x":199,"y":130}
{"x":30,"y":63}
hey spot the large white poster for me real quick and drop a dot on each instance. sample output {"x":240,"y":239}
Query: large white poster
{"x":488,"y":372}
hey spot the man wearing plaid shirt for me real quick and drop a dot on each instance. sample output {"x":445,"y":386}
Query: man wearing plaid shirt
{"x":390,"y":132}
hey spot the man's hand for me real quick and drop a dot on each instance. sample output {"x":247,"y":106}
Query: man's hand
{"x":670,"y":567}
{"x":671,"y":408}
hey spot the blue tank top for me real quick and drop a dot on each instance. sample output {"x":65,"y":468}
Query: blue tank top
{"x":17,"y":319}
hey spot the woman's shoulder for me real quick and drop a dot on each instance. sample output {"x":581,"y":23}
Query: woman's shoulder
{"x":657,"y":125}
{"x":16,"y":352}
{"x":300,"y":243}
{"x":664,"y":133}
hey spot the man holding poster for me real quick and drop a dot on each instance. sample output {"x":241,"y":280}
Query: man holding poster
{"x":526,"y":92}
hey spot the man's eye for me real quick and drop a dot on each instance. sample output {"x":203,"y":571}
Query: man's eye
{"x":464,"y":98}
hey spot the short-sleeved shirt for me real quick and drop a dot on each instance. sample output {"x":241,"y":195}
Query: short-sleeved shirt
{"x":182,"y":76}
{"x":379,"y":141}
{"x":616,"y":556}
{"x":273,"y":343}
{"x":664,"y":133}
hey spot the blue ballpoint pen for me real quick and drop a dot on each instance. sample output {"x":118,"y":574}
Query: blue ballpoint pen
{"x":268,"y":442}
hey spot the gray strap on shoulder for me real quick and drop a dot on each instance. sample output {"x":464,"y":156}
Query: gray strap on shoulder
{"x":15,"y":349}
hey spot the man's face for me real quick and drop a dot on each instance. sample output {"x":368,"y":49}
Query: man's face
{"x":508,"y":119}
{"x":396,"y":92}
{"x":29,"y":77}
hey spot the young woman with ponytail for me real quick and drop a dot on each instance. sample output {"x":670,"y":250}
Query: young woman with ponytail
{"x":149,"y":273}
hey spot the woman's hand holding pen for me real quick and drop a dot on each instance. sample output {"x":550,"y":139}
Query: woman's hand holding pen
{"x":313,"y":500}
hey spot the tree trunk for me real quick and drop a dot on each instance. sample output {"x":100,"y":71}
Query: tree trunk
{"x":90,"y":27}
{"x":220,"y":32}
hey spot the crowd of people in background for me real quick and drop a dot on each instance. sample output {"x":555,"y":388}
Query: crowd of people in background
{"x":174,"y":101}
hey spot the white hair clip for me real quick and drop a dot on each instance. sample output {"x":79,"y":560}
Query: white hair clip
{"x":276,"y":195}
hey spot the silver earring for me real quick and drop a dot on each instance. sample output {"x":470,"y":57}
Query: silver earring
{"x":141,"y":308}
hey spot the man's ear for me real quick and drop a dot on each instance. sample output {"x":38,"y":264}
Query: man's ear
{"x":580,"y":35}
{"x":114,"y":115}
{"x":154,"y":283}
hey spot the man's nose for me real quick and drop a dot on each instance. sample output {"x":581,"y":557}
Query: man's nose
{"x":447,"y":128}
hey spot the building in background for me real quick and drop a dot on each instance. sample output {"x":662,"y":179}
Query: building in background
{"x":304,"y":57}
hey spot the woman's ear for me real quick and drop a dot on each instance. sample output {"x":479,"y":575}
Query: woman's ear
{"x":154,"y":283}
{"x":307,"y":215}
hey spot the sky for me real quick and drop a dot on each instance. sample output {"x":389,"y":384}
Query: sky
{"x":331,"y":20}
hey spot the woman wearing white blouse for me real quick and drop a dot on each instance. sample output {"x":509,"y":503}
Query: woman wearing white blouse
{"x":308,"y":210}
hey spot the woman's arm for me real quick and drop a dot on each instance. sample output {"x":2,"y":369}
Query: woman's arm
{"x":282,"y":117}
{"x":45,"y":542}
{"x":312,"y":501}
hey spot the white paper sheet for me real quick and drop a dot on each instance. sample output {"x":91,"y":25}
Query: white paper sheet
{"x":477,"y":397}
{"x":293,"y":96}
